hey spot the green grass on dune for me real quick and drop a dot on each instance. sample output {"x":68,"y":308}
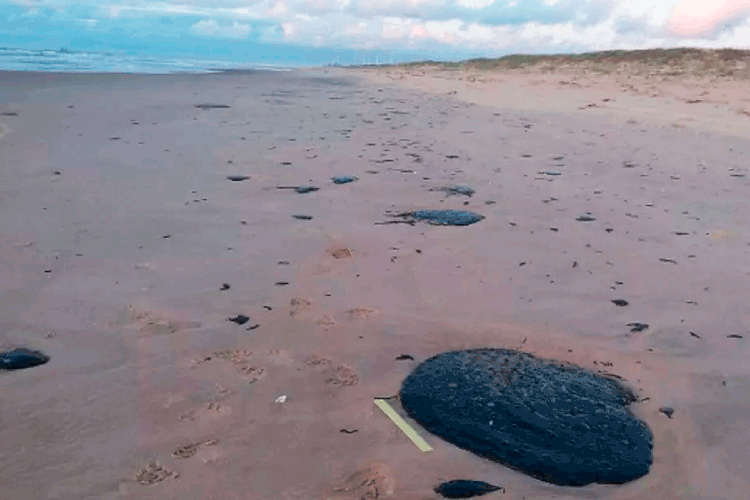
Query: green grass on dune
{"x":655,"y":57}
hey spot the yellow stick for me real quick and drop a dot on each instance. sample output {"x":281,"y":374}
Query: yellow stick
{"x":403,"y":425}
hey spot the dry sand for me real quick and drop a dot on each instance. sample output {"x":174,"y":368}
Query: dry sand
{"x":115,"y":267}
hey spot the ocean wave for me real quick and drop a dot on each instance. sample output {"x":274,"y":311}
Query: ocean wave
{"x":74,"y":61}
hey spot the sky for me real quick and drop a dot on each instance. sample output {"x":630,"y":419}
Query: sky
{"x":306,"y":30}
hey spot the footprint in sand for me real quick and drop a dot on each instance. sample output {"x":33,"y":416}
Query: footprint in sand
{"x":372,"y":482}
{"x":300,"y":306}
{"x":234,"y":356}
{"x":211,"y":408}
{"x":336,"y":376}
{"x":361,"y":312}
{"x":319,"y":362}
{"x":343,"y":375}
{"x":342,"y":253}
{"x":241,"y":358}
{"x":154,"y":473}
{"x":208,"y":410}
{"x":190,"y":450}
{"x":279,"y":357}
{"x":326,"y":320}
{"x":149,"y":324}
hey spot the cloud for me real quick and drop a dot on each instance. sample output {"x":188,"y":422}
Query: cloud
{"x":489,"y":27}
{"x":211,"y":28}
{"x":693,"y":17}
{"x":89,"y":23}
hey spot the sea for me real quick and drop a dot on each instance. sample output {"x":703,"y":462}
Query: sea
{"x":79,"y":61}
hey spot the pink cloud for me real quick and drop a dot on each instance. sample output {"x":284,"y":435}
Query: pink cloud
{"x":418,"y":31}
{"x":695,"y":17}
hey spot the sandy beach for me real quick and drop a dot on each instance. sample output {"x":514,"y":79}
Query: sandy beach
{"x":126,"y":250}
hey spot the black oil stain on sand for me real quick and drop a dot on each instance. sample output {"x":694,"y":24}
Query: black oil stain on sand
{"x":456,"y":190}
{"x":240,"y":319}
{"x":438,"y":217}
{"x":343,"y":179}
{"x":211,"y":106}
{"x":465,"y":488}
{"x":21,"y":358}
{"x":557,"y":423}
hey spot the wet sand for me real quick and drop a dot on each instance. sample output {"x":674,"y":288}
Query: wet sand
{"x":115,"y":267}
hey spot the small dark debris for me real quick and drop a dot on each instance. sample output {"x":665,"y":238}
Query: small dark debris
{"x":268,"y":308}
{"x":451,"y":157}
{"x":240,"y":319}
{"x":620,"y":302}
{"x":734,"y":336}
{"x":609,"y":229}
{"x":693,"y":334}
{"x":549,"y":172}
{"x":680,"y":233}
{"x":667,"y":411}
{"x":238,"y":178}
{"x":211,"y":106}
{"x":348,"y":431}
{"x":672,"y":261}
{"x":344,"y":179}
{"x":166,"y":236}
{"x":9,"y":113}
{"x":57,"y":172}
{"x":114,"y":138}
{"x":587,"y":217}
{"x":281,"y":283}
{"x":252,"y":327}
{"x":554,"y":229}
{"x":637,"y":327}
{"x":464,"y":488}
{"x":404,"y":357}
{"x":302,"y":217}
{"x":300,"y":189}
{"x":21,"y":358}
{"x":283,"y":263}
{"x":456,"y":190}
{"x":490,"y":202}
{"x":522,"y":264}
{"x":575,"y":263}
{"x":225,"y":286}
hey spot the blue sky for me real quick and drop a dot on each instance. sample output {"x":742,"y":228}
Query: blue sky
{"x":320,"y":30}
